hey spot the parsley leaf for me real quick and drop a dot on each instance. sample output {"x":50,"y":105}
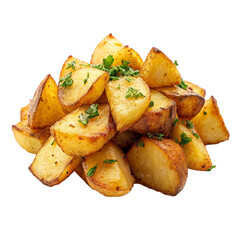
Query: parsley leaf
{"x":195,"y":135}
{"x":205,"y":113}
{"x":151,"y":104}
{"x":52,"y":142}
{"x":91,"y":171}
{"x":140,"y":143}
{"x":176,"y":63}
{"x":183,"y":85}
{"x":189,"y":124}
{"x":129,"y":79}
{"x":133,"y":93}
{"x":185,"y":139}
{"x":71,"y":65}
{"x":90,"y":113}
{"x":67,"y":80}
{"x":157,"y":136}
{"x":210,"y":169}
{"x":108,"y":61}
{"x":176,"y":120}
{"x":110,"y":161}
{"x":119,"y":86}
{"x":85,"y":80}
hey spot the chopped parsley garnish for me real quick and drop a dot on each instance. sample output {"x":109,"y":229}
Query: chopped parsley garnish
{"x":90,"y":113}
{"x":119,"y":86}
{"x":185,"y":139}
{"x":108,"y":61}
{"x":67,"y":80}
{"x":189,"y":124}
{"x":151,"y":104}
{"x":177,"y":140}
{"x":91,"y":171}
{"x":129,"y":79}
{"x":85,"y":80}
{"x":176,"y":63}
{"x":52,"y":142}
{"x":110,"y":161}
{"x":83,"y":158}
{"x":157,"y":136}
{"x":133,"y":93}
{"x":195,"y":135}
{"x":71,"y":65}
{"x":205,"y":113}
{"x":176,"y":120}
{"x":210,"y":169}
{"x":183,"y":85}
{"x":140,"y":143}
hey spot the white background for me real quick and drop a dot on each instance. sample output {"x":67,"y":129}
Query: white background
{"x":36,"y":38}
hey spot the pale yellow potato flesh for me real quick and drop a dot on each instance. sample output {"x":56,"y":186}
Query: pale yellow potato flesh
{"x":195,"y":88}
{"x":127,"y":111}
{"x":110,"y":179}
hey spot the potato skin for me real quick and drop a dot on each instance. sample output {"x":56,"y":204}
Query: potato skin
{"x":188,"y":103}
{"x":196,"y":89}
{"x":24,"y":112}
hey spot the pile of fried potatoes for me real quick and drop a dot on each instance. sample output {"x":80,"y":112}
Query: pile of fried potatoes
{"x":117,"y":121}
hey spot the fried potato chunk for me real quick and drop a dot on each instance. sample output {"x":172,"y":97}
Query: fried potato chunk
{"x":51,"y":165}
{"x":30,"y":139}
{"x":209,"y":123}
{"x":76,"y":139}
{"x":45,"y":108}
{"x":195,"y":88}
{"x":160,"y":165}
{"x":129,"y":98}
{"x":195,"y":150}
{"x":158,"y":70}
{"x":112,"y":176}
{"x":24,"y":112}
{"x":159,"y":117}
{"x":188,"y":103}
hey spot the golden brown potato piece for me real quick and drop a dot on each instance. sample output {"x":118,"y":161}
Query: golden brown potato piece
{"x":76,"y":139}
{"x":128,"y":54}
{"x":87,"y":86}
{"x":159,"y":117}
{"x":24,"y":112}
{"x":160,"y":165}
{"x":106,"y":47}
{"x":209,"y":123}
{"x":112,"y":176}
{"x":103,"y":98}
{"x":195,"y":150}
{"x":70,"y":65}
{"x":45,"y":108}
{"x":158,"y":70}
{"x":30,"y":139}
{"x":51,"y":165}
{"x":126,"y":139}
{"x":80,"y":172}
{"x":128,"y":99}
{"x":195,"y":88}
{"x":188,"y":103}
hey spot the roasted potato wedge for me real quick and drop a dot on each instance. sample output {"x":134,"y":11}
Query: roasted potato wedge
{"x":80,"y":172}
{"x":159,"y":117}
{"x":195,"y":151}
{"x":106,"y":47}
{"x":160,"y":165}
{"x":128,"y":54}
{"x":188,"y":103}
{"x":103,"y":98}
{"x":76,"y":139}
{"x":88,"y":85}
{"x":111,"y":178}
{"x":30,"y":139}
{"x":24,"y":112}
{"x":209,"y":123}
{"x":158,"y":70}
{"x":128,"y":100}
{"x":45,"y":108}
{"x":126,"y":139}
{"x":196,"y":89}
{"x":51,"y":165}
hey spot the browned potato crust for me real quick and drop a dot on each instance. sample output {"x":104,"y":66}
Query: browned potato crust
{"x":195,"y":151}
{"x":158,"y":118}
{"x":110,"y":179}
{"x":80,"y":172}
{"x":209,"y":123}
{"x":160,"y":165}
{"x":103,"y":98}
{"x":188,"y":103}
{"x":30,"y":139}
{"x":51,"y":165}
{"x":158,"y":70}
{"x":76,"y":139}
{"x":24,"y":112}
{"x":106,"y":47}
{"x":45,"y":108}
{"x":195,"y":88}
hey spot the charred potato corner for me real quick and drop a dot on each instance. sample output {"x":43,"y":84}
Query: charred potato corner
{"x":119,"y":120}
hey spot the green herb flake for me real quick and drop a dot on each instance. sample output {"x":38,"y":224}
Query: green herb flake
{"x":110,"y":161}
{"x":85,"y":80}
{"x":210,"y":169}
{"x":151,"y":104}
{"x":108,"y":61}
{"x":133,"y":93}
{"x":140,"y":143}
{"x":119,"y":86}
{"x":67,"y":81}
{"x":90,"y":113}
{"x":176,"y":63}
{"x":83,"y":158}
{"x":129,"y":79}
{"x":205,"y":113}
{"x":157,"y":136}
{"x":52,"y":142}
{"x":177,"y":140}
{"x":189,"y":124}
{"x":183,"y":85}
{"x":71,"y":65}
{"x":176,"y":120}
{"x":195,"y":135}
{"x":91,"y":171}
{"x":185,"y":139}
